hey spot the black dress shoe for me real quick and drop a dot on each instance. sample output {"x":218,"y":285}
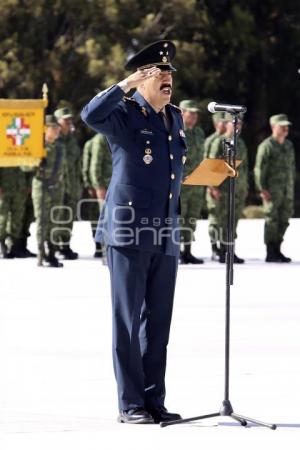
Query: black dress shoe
{"x":135,"y":415}
{"x":161,"y":414}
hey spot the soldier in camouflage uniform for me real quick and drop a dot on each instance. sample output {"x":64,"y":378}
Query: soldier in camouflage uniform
{"x":100,"y":172}
{"x":12,"y":207}
{"x":191,"y":197}
{"x":90,"y":209}
{"x":47,"y":192}
{"x":218,"y":197}
{"x":219,"y":121}
{"x":73,"y":185}
{"x":275,"y":178}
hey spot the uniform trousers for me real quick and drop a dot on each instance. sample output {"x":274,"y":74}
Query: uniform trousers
{"x":142,"y":288}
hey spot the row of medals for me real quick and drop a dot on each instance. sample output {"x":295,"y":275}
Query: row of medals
{"x":148,"y":158}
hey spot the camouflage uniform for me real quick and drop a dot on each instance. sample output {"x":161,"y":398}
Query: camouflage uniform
{"x":218,"y":119}
{"x":90,"y":209}
{"x":47,"y":193}
{"x":72,"y":185}
{"x":208,"y":143}
{"x":100,"y":171}
{"x":275,"y":172}
{"x":220,"y":207}
{"x":96,"y":173}
{"x":12,"y":207}
{"x":192,"y":197}
{"x":210,"y":202}
{"x":100,"y":166}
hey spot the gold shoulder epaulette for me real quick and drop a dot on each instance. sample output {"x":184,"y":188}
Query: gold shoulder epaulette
{"x":133,"y":102}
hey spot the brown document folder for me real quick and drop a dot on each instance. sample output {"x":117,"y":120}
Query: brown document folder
{"x":210,"y":172}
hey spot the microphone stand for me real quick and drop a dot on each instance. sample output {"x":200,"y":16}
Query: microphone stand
{"x":226,"y":407}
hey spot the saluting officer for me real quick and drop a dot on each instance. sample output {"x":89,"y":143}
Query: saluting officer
{"x":139,"y":225}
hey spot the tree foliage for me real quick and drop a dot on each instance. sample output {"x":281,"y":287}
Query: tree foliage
{"x":244,"y":51}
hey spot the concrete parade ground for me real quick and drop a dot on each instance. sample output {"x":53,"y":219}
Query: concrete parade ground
{"x":57,"y":388}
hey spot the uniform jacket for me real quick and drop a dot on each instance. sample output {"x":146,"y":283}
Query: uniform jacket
{"x":142,"y":202}
{"x":275,"y":168}
{"x":100,"y":163}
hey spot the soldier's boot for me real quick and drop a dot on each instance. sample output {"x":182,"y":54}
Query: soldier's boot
{"x":17,"y":250}
{"x":222,"y":258}
{"x":4,"y":253}
{"x":186,"y":256}
{"x":49,"y":258}
{"x":238,"y":260}
{"x":98,"y":252}
{"x":215,"y":256}
{"x":282,"y":257}
{"x":27,"y":252}
{"x":67,"y":253}
{"x":272,"y":253}
{"x":222,"y":253}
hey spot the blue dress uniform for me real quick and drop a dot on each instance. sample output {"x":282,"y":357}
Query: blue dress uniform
{"x":139,"y":225}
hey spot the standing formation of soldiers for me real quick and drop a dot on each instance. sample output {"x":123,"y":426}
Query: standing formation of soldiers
{"x":274,"y":176}
{"x":67,"y":178}
{"x":52,"y":193}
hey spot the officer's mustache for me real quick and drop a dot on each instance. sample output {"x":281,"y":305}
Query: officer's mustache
{"x":166,"y":86}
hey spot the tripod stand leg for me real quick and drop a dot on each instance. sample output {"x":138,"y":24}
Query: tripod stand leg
{"x":256,"y":422}
{"x":191,"y":419}
{"x":243,"y":422}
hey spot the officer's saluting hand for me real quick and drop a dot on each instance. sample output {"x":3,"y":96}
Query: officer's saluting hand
{"x":139,"y":224}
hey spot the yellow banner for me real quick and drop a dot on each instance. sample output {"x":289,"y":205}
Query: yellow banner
{"x":21,"y":132}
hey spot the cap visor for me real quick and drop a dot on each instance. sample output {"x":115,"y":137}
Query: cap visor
{"x":284,"y":123}
{"x":166,"y":67}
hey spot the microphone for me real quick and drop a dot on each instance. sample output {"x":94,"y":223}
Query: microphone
{"x":233,"y":109}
